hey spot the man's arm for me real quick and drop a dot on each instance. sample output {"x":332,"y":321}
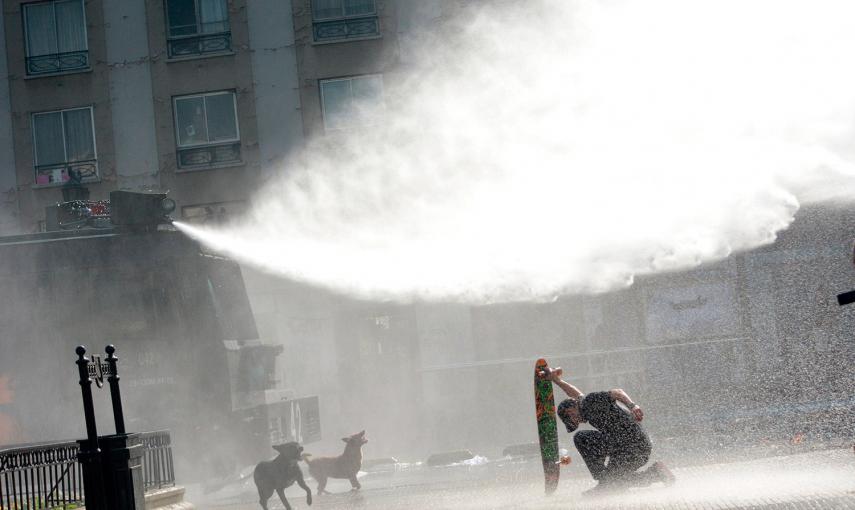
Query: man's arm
{"x":621,"y":396}
{"x":569,"y":389}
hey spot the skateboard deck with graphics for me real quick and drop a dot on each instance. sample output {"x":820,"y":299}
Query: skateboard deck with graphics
{"x":547,"y":428}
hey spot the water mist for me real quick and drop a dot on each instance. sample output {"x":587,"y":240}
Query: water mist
{"x":551,"y":146}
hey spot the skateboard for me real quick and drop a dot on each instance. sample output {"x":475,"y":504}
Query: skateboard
{"x":547,"y":427}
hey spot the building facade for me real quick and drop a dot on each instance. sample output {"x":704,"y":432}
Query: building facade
{"x":203,"y":98}
{"x":190,"y":96}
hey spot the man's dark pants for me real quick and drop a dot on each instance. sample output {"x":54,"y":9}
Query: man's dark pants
{"x":625,"y":458}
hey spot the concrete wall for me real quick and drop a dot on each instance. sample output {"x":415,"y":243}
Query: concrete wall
{"x":415,"y":16}
{"x":274,"y":69}
{"x":318,"y":61}
{"x":192,"y":75}
{"x":131,"y":84}
{"x":131,"y":95}
{"x":8,"y":185}
{"x":45,"y":93}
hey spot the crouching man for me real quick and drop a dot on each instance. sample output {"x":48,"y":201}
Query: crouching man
{"x":619,"y":447}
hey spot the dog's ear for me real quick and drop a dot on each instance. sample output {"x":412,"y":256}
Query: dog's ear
{"x":345,"y":439}
{"x":361,"y":434}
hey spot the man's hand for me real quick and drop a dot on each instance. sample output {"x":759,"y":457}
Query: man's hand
{"x":621,"y":396}
{"x":554,"y":374}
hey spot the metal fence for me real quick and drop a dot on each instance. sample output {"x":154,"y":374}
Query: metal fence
{"x":48,"y":476}
{"x":40,"y":477}
{"x":199,"y":44}
{"x":57,"y":63}
{"x":347,"y":28}
{"x":158,"y":471}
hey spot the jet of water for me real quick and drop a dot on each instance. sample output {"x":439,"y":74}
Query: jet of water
{"x":552,"y":146}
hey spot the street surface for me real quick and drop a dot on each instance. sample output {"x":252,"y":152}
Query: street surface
{"x":815,"y":481}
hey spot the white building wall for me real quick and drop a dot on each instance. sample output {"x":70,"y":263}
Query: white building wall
{"x":274,"y":69}
{"x":8,"y":183}
{"x":131,"y":97}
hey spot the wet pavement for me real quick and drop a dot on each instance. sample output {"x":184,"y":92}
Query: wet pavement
{"x":815,"y":481}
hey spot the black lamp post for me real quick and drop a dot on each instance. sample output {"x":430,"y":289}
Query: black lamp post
{"x":112,"y":464}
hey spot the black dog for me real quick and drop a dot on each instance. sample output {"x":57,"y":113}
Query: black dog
{"x":279,"y":473}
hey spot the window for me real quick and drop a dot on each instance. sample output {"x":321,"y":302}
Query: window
{"x":206,"y":130}
{"x":352,"y":102}
{"x":344,"y":19}
{"x":64,"y":144}
{"x":197,"y":27}
{"x":257,"y":367}
{"x":55,"y":37}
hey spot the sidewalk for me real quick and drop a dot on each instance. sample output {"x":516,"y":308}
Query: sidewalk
{"x":815,"y":481}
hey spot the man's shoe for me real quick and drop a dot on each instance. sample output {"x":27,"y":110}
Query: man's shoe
{"x":601,"y":489}
{"x":663,"y":473}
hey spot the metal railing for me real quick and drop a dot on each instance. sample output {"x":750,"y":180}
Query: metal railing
{"x":199,"y":44}
{"x":209,"y":155}
{"x":346,"y":28}
{"x":57,"y":63}
{"x":158,"y":470}
{"x":40,"y":476}
{"x":88,"y":170}
{"x":48,"y":476}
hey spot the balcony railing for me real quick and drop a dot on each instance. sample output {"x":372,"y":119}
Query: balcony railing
{"x":59,"y":173}
{"x":48,"y":476}
{"x":346,"y":28}
{"x":199,"y":45}
{"x":57,"y":62}
{"x":209,"y":155}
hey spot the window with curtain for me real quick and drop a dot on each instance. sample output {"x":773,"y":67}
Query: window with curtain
{"x":63,"y":143}
{"x":344,"y":19}
{"x":55,"y":36}
{"x":206,"y":126}
{"x":352,"y":102}
{"x":197,"y":27}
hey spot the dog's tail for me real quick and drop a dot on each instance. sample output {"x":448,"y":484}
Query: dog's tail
{"x":305,"y":457}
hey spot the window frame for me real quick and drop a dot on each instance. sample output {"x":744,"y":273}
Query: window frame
{"x":26,"y":28}
{"x":65,"y":163}
{"x":198,"y":33}
{"x":343,"y":15}
{"x":350,"y":79}
{"x":345,"y":18}
{"x":175,"y":100}
{"x":224,"y":36}
{"x":213,"y":149}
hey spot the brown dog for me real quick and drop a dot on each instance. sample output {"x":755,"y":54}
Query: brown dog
{"x":345,"y":465}
{"x":276,"y":475}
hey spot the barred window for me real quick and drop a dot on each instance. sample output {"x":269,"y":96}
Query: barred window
{"x":352,"y":102}
{"x":344,"y":19}
{"x":206,"y":129}
{"x":63,"y":143}
{"x":55,"y":37}
{"x":197,"y":27}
